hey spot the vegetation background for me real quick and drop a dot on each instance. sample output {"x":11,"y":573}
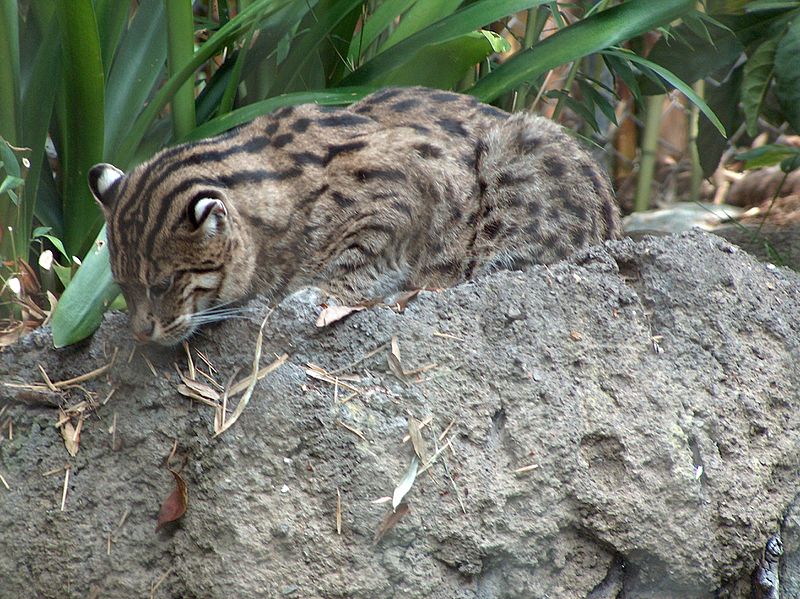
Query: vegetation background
{"x":87,"y":81}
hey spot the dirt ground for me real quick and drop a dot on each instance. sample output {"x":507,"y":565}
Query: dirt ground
{"x":625,"y":424}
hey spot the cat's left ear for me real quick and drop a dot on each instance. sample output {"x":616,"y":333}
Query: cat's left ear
{"x":102,"y":178}
{"x":207,"y":213}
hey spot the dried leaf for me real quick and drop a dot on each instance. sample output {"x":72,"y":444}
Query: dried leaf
{"x":391,"y":520}
{"x":395,"y":365}
{"x":405,"y":484}
{"x":416,"y":439}
{"x":175,"y":504}
{"x":403,"y":300}
{"x":12,"y":333}
{"x":332,"y":314}
{"x":72,"y":437}
{"x":201,"y":389}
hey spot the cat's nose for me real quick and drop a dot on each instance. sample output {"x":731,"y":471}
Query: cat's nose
{"x":145,"y":332}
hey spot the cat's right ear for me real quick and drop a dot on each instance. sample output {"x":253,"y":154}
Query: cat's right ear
{"x":102,"y":177}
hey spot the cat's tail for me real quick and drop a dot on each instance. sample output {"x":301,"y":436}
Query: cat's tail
{"x":541,"y":194}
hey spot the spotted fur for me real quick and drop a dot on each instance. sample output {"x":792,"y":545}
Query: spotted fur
{"x":409,"y":187}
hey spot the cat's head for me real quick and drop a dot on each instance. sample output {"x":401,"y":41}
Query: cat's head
{"x":170,"y":240}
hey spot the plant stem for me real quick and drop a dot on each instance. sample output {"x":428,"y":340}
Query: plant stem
{"x":654,"y":107}
{"x":697,"y":169}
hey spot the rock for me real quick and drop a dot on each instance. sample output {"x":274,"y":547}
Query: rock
{"x":625,"y":422}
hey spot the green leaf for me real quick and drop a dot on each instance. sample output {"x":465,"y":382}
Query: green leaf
{"x":9,"y":71}
{"x":466,"y":20}
{"x":439,"y":65}
{"x":234,"y":28}
{"x":180,"y":48}
{"x":596,"y":99}
{"x":674,"y":82}
{"x":137,"y":70}
{"x":418,"y":17}
{"x":757,"y":76}
{"x":723,"y":99}
{"x":9,"y":184}
{"x":83,"y":135}
{"x":112,"y":17}
{"x":695,"y":56}
{"x":768,"y":155}
{"x":331,"y":97}
{"x":377,"y":23}
{"x":38,"y":98}
{"x":305,"y":46}
{"x":80,"y":309}
{"x":593,"y":34}
{"x":45,"y":233}
{"x":765,"y":5}
{"x":787,"y":74}
{"x":579,"y":108}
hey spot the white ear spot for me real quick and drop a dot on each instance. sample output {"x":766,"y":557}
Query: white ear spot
{"x":108,"y":177}
{"x":101,"y":178}
{"x":208,"y":215}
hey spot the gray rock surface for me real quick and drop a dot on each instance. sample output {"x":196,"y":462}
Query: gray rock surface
{"x":650,"y":389}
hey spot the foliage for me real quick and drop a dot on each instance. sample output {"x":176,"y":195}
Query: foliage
{"x":106,"y":80}
{"x":764,"y":86}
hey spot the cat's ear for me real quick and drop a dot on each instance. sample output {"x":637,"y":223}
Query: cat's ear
{"x":102,"y":177}
{"x":207,"y":213}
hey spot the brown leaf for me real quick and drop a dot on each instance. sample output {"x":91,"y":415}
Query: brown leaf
{"x":72,"y":438}
{"x":403,"y":300}
{"x":331,"y":314}
{"x":416,"y":440}
{"x":391,"y":520}
{"x":175,"y":504}
{"x":394,"y":360}
{"x":30,"y":282}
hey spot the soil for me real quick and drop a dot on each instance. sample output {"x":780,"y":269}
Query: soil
{"x":624,"y":424}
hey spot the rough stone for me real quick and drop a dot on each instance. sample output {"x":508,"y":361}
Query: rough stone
{"x":624,"y":424}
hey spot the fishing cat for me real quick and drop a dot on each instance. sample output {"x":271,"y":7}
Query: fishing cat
{"x":407,"y":188}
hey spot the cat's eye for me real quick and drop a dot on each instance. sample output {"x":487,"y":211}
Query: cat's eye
{"x":161,"y":287}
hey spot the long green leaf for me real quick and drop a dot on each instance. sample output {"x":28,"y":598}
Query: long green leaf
{"x":421,"y":15}
{"x":376,"y":23}
{"x":234,"y":28}
{"x":757,"y":77}
{"x":787,"y":74}
{"x":9,"y":71}
{"x":670,"y":78}
{"x":692,"y":56}
{"x":180,"y":47}
{"x":331,"y":97}
{"x":38,"y":98}
{"x":593,"y":34}
{"x":112,"y":17}
{"x":290,"y":73}
{"x":141,"y":56}
{"x":92,"y":289}
{"x":440,"y":65}
{"x":83,"y":138}
{"x":466,"y":20}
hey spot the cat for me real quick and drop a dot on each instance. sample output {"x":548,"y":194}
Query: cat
{"x":407,"y":188}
